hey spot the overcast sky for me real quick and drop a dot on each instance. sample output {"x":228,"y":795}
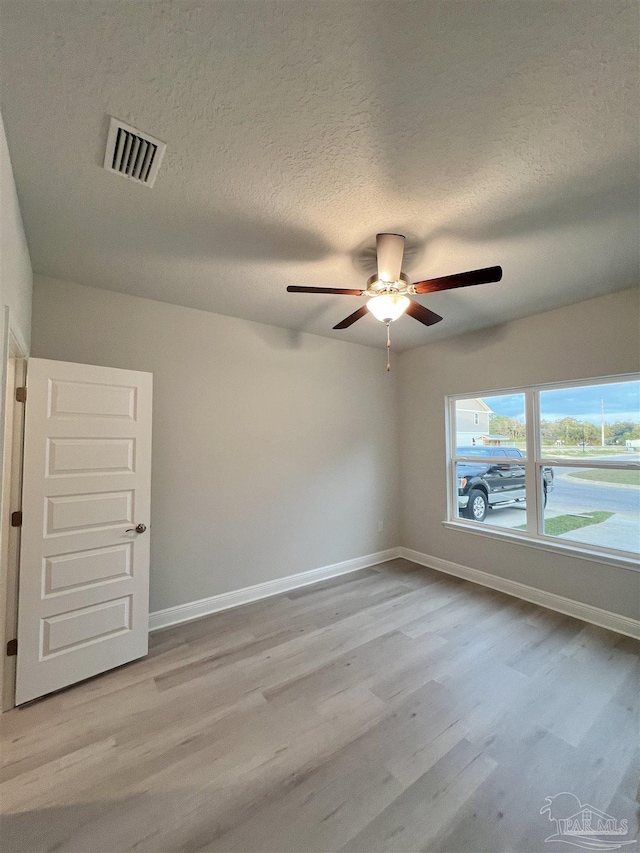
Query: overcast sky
{"x":621,"y":403}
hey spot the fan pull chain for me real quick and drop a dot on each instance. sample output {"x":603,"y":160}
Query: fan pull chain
{"x":388,"y":345}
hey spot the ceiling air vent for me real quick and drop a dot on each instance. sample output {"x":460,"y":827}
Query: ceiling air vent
{"x":133,"y":154}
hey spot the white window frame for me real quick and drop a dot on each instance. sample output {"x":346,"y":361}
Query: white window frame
{"x":534,"y":535}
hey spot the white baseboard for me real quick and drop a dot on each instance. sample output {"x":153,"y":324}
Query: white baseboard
{"x":226,"y":600}
{"x":586,"y":612}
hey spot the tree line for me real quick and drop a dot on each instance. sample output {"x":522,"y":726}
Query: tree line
{"x":568,"y":430}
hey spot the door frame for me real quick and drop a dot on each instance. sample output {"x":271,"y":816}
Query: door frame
{"x":12,"y":425}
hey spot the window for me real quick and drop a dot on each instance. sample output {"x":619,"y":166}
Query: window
{"x":476,"y":418}
{"x":486,"y":477}
{"x":558,"y":466}
{"x":511,"y":452}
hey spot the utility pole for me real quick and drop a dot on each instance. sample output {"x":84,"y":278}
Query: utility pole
{"x":602,"y":420}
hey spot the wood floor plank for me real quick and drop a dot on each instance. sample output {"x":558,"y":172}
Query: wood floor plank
{"x":391,"y":709}
{"x":602,"y":772}
{"x":416,"y":816}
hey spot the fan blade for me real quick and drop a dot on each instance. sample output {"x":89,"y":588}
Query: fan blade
{"x":351,"y":319}
{"x":389,"y":252}
{"x":422,"y":314}
{"x":338,"y":290}
{"x":463,"y":279}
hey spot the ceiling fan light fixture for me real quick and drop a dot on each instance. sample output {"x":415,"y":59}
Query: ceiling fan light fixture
{"x":388,"y":306}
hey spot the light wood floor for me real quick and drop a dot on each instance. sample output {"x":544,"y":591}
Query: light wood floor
{"x":395,"y":708}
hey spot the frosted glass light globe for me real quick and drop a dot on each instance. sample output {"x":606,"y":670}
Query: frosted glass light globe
{"x":388,"y":306}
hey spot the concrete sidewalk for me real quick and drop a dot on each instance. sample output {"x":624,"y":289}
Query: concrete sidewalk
{"x":621,"y":531}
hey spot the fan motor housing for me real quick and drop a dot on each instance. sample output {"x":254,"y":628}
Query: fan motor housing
{"x":376,"y":285}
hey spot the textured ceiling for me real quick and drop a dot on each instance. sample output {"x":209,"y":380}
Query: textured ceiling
{"x":488,"y":132}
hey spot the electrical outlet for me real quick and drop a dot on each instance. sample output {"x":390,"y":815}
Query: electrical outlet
{"x":380,"y":526}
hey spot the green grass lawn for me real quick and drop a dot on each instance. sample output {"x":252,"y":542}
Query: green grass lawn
{"x":600,"y":475}
{"x":565,"y":523}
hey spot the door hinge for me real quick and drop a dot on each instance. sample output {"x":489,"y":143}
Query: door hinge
{"x":16,"y":518}
{"x":12,"y":648}
{"x":21,"y":395}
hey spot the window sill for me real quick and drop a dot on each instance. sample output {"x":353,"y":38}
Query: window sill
{"x":529,"y":541}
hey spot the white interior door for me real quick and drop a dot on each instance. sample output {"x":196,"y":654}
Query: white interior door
{"x":84,"y":572}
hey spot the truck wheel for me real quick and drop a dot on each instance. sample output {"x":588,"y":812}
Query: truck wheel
{"x":477,"y":506}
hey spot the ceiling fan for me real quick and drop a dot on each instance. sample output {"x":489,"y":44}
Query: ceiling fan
{"x":388,"y":291}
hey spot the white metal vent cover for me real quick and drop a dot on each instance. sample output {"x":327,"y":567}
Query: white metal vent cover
{"x":132,"y":154}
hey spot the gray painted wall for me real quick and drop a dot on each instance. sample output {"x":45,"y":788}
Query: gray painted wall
{"x":16,"y":277}
{"x":273,"y":451}
{"x":594,"y":338}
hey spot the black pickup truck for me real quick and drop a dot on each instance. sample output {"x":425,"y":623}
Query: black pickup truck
{"x":490,"y":484}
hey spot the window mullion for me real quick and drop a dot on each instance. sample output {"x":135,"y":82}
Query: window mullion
{"x":579,"y":462}
{"x":531,"y":481}
{"x":452,"y":474}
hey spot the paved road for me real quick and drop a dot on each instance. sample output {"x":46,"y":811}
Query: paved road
{"x":573,"y":495}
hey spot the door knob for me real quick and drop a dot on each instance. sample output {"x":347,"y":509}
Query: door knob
{"x":139,"y":528}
